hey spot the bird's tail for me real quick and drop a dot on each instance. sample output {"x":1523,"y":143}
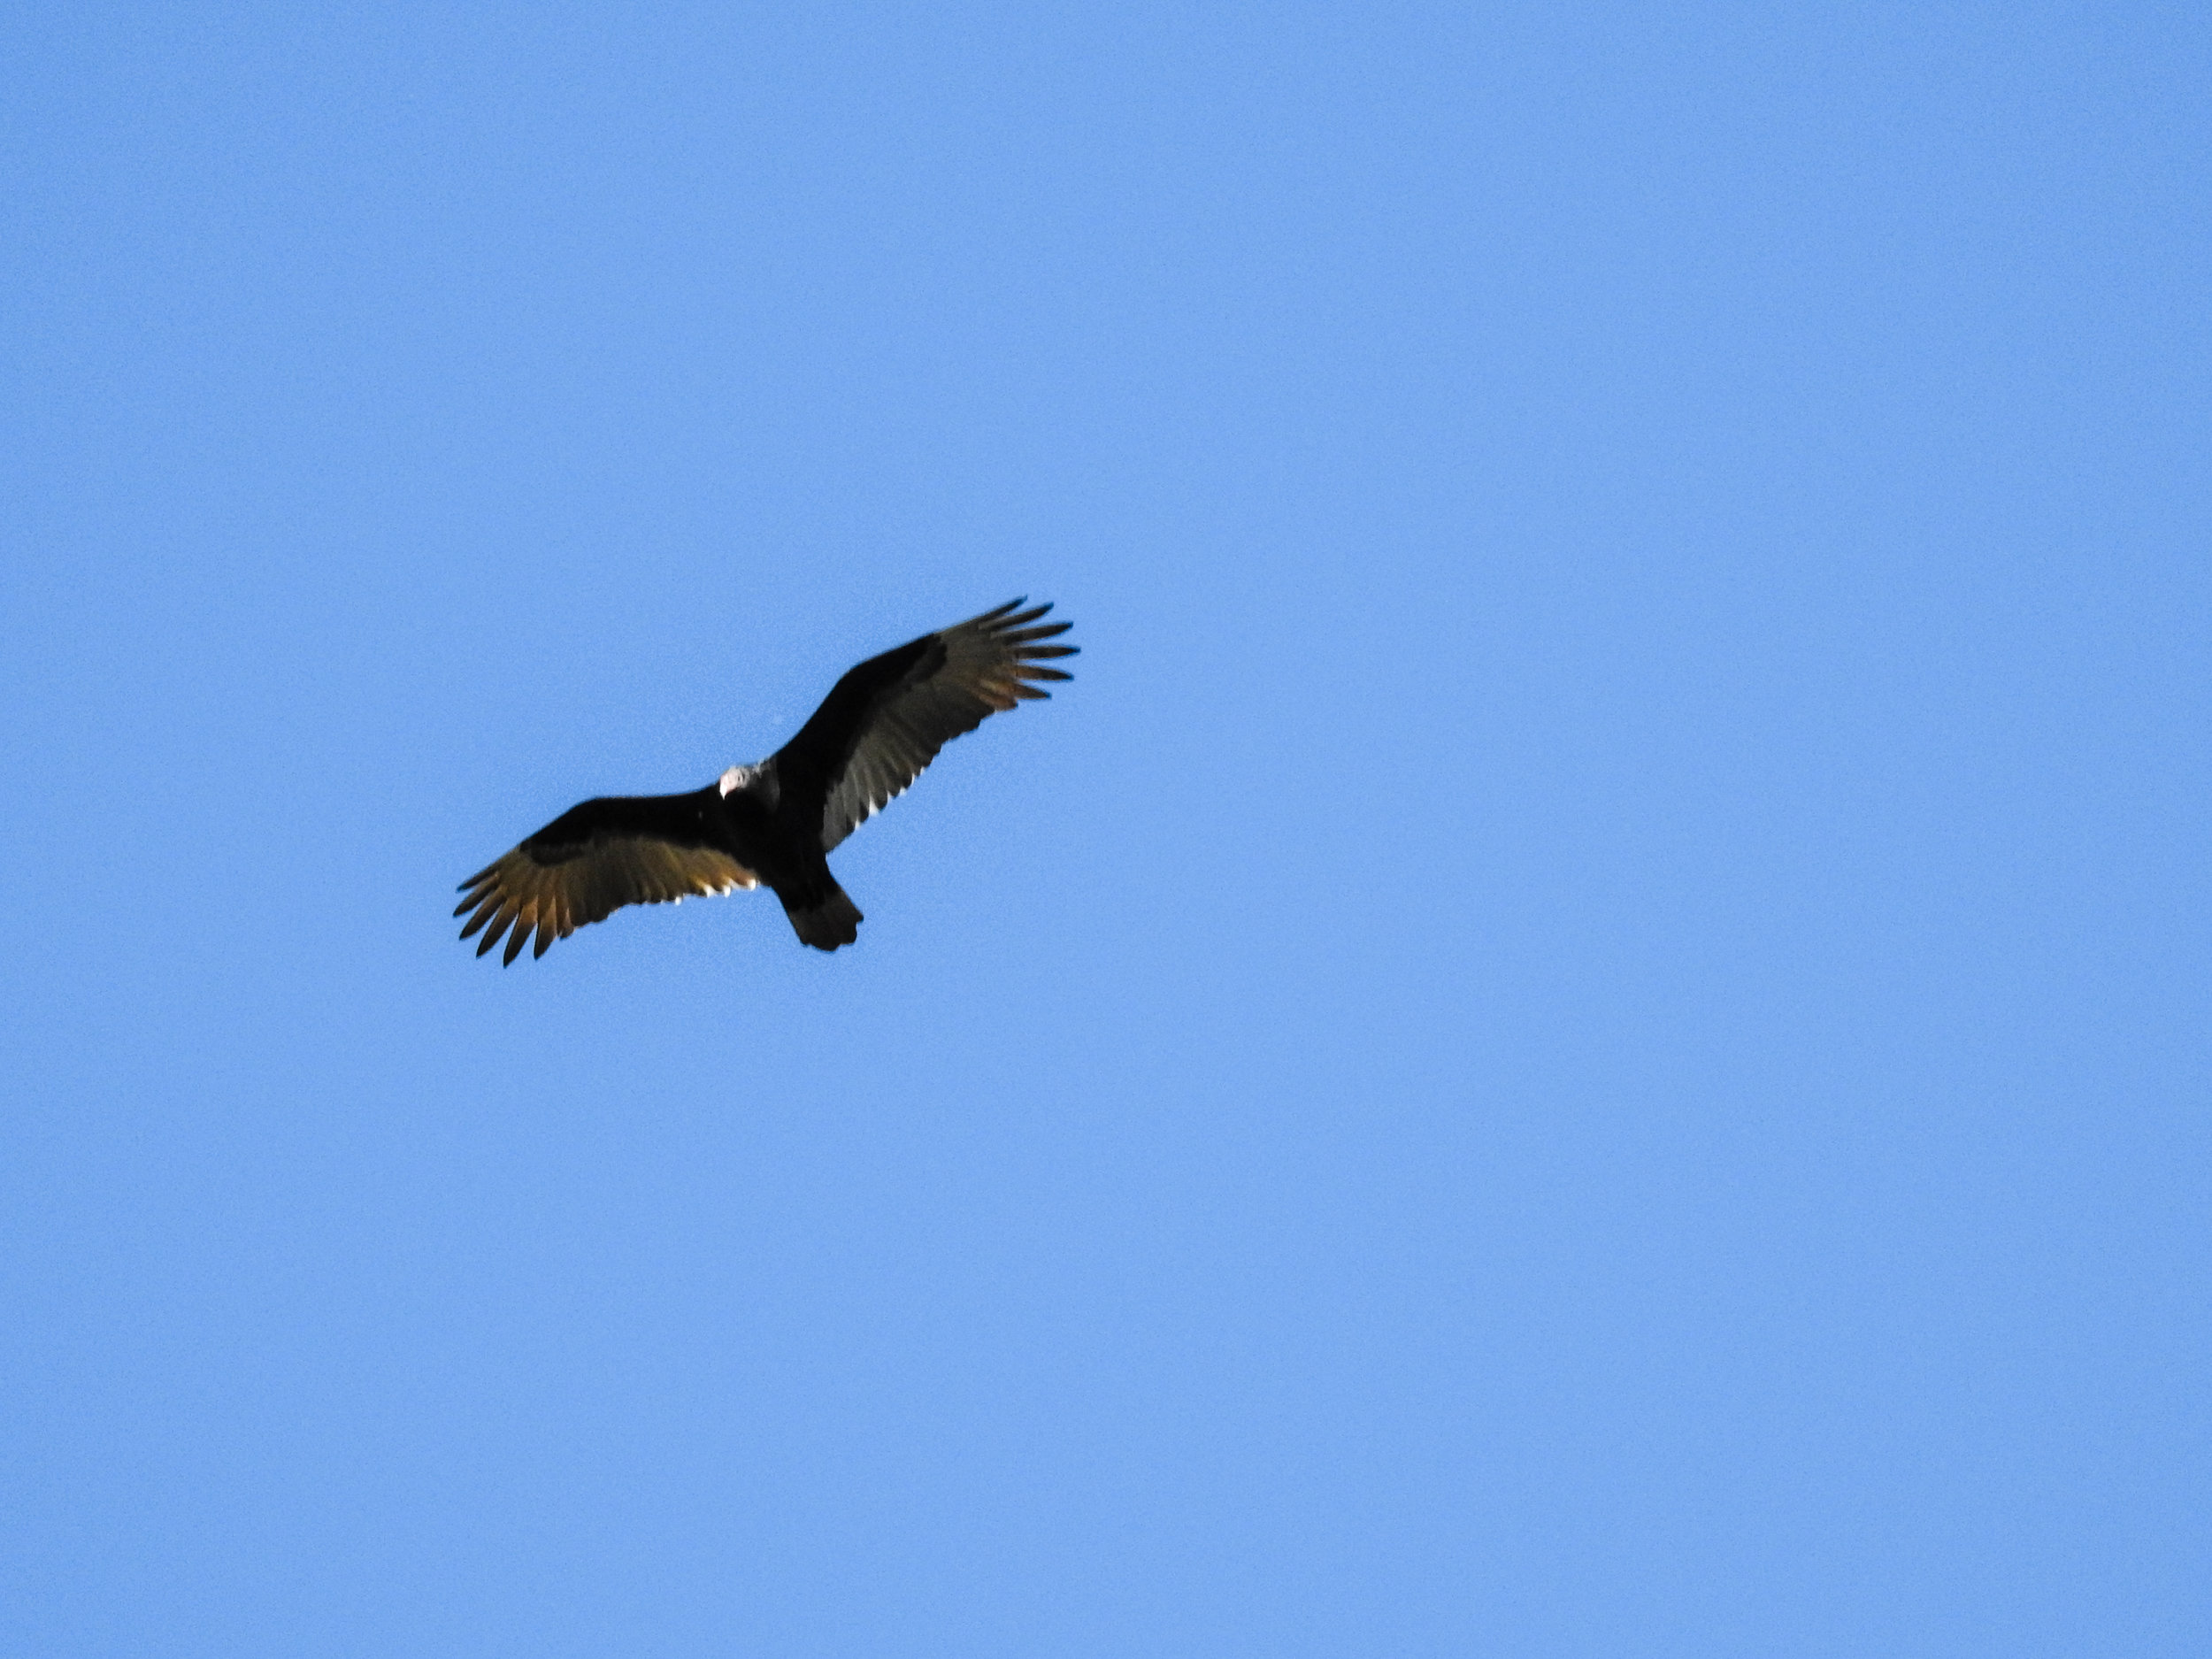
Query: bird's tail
{"x":823,"y":916}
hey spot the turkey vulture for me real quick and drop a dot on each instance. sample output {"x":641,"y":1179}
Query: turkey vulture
{"x":777,"y":822}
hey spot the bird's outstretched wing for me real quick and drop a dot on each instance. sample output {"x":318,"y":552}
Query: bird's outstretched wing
{"x":591,"y":861}
{"x":886,"y":720}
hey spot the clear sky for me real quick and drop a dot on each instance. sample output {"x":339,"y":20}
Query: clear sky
{"x":1585,"y":1033}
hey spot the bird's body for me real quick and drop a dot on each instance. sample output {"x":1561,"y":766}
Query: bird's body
{"x":771,"y":825}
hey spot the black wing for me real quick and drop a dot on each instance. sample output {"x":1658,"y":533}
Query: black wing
{"x":593,"y":860}
{"x":886,"y":720}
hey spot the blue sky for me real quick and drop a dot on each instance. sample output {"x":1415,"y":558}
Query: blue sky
{"x":1584,"y":1035}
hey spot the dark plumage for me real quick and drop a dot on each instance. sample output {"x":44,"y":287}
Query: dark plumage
{"x":772,"y":824}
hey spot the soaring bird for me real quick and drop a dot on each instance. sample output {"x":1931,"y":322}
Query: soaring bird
{"x":775,"y":823}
